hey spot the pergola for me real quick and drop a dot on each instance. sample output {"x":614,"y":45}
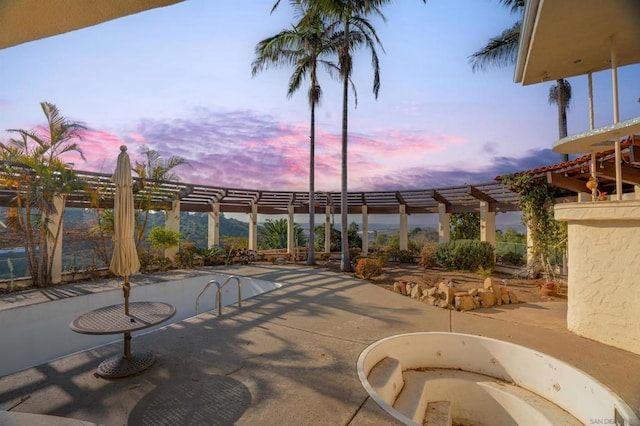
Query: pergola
{"x":200,"y":198}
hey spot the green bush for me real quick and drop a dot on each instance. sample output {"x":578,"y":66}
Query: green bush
{"x":405,"y":256}
{"x":428,"y":255}
{"x":465,"y":255}
{"x":367,"y":268}
{"x":512,"y":258}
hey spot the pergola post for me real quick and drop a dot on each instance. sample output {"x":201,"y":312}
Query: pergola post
{"x":213,"y":226}
{"x":444,"y":224}
{"x":253,"y":227}
{"x":172,"y":222}
{"x":290,"y":231}
{"x":404,"y":227}
{"x":56,"y":227}
{"x":487,"y":224}
{"x":327,"y":229}
{"x":365,"y":230}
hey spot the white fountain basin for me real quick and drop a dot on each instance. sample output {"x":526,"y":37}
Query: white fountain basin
{"x":440,"y":378}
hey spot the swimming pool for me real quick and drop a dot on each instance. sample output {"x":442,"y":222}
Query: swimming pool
{"x":39,"y":333}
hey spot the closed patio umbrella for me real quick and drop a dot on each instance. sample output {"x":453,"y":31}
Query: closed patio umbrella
{"x":124,"y":261}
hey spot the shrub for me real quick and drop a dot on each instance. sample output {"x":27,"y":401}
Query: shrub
{"x":428,"y":255}
{"x":367,"y":268}
{"x":465,"y":255}
{"x":405,"y":256}
{"x":512,"y":258}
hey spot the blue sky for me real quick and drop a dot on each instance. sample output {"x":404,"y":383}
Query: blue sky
{"x":178,"y":80}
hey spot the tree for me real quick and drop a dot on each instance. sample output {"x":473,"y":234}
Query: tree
{"x":502,"y":51}
{"x":273,"y":235}
{"x":356,"y":32}
{"x":307,"y":45}
{"x":465,"y":226}
{"x":32,"y":166}
{"x":560,"y":95}
{"x":335,"y":239}
{"x":152,"y":172}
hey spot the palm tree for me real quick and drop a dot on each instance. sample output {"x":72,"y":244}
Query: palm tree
{"x":357,"y":31}
{"x":502,"y":50}
{"x":560,"y":95}
{"x":152,"y":172}
{"x":304,"y":47}
{"x":273,"y":234}
{"x":33,"y":167}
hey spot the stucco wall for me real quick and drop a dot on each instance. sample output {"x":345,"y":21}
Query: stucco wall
{"x":604,"y":271}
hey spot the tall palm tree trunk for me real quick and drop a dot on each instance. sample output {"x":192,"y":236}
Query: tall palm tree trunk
{"x":562,"y":115}
{"x":345,"y":264}
{"x":311,"y":253}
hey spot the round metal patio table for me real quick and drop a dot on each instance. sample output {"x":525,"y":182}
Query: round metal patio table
{"x":112,"y":320}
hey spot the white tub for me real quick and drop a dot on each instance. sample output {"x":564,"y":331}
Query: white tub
{"x":38,"y":333}
{"x":483,"y":378}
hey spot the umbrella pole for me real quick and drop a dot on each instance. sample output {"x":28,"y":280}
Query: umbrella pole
{"x":126,"y":287}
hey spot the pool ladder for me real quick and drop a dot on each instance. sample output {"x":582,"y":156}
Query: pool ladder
{"x":219,"y":293}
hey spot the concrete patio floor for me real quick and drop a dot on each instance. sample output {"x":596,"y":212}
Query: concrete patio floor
{"x":286,"y":357}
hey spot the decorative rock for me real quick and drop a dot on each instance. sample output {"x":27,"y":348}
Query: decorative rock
{"x":443,"y":304}
{"x":430,"y":300}
{"x":497,"y":293}
{"x":505,"y":299}
{"x":396,"y":288}
{"x":476,"y":301}
{"x":432,"y":291}
{"x":446,"y":293}
{"x":487,"y":298}
{"x":473,"y":292}
{"x":415,"y":291}
{"x":504,"y":290}
{"x":403,"y":287}
{"x":513,"y":298}
{"x":461,"y":293}
{"x":464,"y":303}
{"x":488,"y":283}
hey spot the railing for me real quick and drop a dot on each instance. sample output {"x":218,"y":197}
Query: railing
{"x":219,"y":293}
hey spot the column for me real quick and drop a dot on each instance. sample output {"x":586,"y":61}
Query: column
{"x":172,"y":222}
{"x":487,"y":224}
{"x":327,"y":229}
{"x":54,"y":250}
{"x":213,"y":226}
{"x":291,"y":243}
{"x":404,"y":227}
{"x":253,"y":227}
{"x":444,"y":224}
{"x":365,"y":230}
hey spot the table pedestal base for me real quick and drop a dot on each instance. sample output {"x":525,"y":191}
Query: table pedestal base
{"x":119,"y":366}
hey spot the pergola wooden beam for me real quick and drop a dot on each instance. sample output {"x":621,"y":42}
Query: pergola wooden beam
{"x":630,"y":175}
{"x":562,"y":181}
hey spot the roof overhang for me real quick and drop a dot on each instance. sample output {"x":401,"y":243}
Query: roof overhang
{"x":22,"y":21}
{"x":565,"y":38}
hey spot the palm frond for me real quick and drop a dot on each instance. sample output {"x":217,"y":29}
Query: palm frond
{"x":500,"y":51}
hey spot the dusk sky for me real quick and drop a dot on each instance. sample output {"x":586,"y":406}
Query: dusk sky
{"x":178,"y":80}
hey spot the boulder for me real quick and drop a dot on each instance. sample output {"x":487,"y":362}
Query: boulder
{"x":430,"y":300}
{"x":415,"y":291}
{"x":488,"y":283}
{"x":487,"y":298}
{"x":396,"y":288}
{"x":513,"y":298}
{"x":444,"y":304}
{"x":505,"y":299}
{"x":431,"y":291}
{"x":446,"y":293}
{"x":464,"y":303}
{"x":473,"y":292}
